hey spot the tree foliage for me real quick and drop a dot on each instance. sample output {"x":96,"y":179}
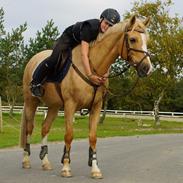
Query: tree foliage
{"x":15,"y":53}
{"x":11,"y":62}
{"x":44,"y":39}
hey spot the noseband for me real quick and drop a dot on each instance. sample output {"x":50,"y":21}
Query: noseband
{"x":125,"y":41}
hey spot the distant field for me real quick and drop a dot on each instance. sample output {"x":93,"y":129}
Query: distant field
{"x":111,"y":127}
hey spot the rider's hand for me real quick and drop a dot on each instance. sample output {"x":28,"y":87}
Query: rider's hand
{"x":105,"y":77}
{"x":96,"y":79}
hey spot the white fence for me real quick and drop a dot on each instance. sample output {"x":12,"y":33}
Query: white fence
{"x":18,"y":109}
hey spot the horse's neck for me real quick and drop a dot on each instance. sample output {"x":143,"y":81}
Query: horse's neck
{"x":104,"y":53}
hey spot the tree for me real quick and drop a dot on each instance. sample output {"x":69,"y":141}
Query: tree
{"x":175,"y":101}
{"x":44,"y":40}
{"x":15,"y":54}
{"x":166,"y":42}
{"x":11,"y":62}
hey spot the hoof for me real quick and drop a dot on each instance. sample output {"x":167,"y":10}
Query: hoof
{"x":66,"y":173}
{"x":26,"y":165}
{"x":96,"y":175}
{"x":47,"y":167}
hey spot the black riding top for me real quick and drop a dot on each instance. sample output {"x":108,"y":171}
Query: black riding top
{"x":82,"y":31}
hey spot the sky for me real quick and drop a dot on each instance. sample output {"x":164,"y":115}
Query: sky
{"x":63,"y":12}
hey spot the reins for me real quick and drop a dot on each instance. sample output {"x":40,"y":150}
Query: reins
{"x":125,"y":41}
{"x":95,"y":87}
{"x":127,"y":66}
{"x":83,"y":76}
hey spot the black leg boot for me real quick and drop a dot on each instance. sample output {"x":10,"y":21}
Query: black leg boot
{"x":39,"y":77}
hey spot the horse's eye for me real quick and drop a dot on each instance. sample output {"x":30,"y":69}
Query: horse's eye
{"x":132,"y":40}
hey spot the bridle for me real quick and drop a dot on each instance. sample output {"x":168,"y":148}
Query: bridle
{"x":129,"y":49}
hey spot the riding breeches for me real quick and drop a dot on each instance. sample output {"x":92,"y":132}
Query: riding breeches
{"x":49,"y":65}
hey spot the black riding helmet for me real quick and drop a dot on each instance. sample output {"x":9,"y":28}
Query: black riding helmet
{"x":111,"y":15}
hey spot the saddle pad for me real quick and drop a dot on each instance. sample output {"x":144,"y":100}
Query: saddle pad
{"x":60,"y":74}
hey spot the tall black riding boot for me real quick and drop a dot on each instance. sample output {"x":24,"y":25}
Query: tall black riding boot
{"x":39,"y":77}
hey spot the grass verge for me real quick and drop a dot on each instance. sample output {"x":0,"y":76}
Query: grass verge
{"x":111,"y":127}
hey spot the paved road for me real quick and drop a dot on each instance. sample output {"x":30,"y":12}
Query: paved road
{"x":143,"y":159}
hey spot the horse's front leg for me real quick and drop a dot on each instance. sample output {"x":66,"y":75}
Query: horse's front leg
{"x":51,"y":114}
{"x":69,"y":109}
{"x":93,"y":121}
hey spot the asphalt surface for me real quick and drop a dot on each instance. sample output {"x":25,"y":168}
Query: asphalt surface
{"x":137,"y":159}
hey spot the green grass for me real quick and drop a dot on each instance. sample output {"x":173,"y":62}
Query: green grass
{"x":111,"y":127}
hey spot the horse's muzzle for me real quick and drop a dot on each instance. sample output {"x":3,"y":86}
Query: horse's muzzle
{"x":144,"y":69}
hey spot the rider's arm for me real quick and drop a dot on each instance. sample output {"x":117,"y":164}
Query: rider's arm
{"x":85,"y":39}
{"x":85,"y":60}
{"x":84,"y":57}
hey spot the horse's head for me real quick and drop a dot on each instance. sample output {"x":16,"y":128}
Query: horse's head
{"x":134,"y":46}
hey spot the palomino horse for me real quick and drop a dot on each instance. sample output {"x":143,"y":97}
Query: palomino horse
{"x":127,"y":39}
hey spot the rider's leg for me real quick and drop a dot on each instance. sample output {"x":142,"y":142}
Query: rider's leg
{"x":63,"y":44}
{"x":38,"y":77}
{"x":43,"y":70}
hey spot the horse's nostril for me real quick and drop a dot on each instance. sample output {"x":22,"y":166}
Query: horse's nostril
{"x":142,"y":71}
{"x":142,"y":74}
{"x":144,"y":68}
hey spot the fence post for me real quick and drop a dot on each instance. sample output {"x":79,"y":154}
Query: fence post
{"x":1,"y":117}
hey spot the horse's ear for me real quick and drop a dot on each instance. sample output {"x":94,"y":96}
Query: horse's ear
{"x":147,"y":21}
{"x":132,"y":20}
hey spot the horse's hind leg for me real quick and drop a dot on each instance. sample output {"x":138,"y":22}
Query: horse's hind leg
{"x":52,"y":113}
{"x":27,"y":129}
{"x":93,"y":121}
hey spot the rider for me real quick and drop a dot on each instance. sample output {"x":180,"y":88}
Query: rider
{"x":79,"y":33}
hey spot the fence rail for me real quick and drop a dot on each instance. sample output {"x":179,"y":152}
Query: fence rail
{"x":18,"y":109}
